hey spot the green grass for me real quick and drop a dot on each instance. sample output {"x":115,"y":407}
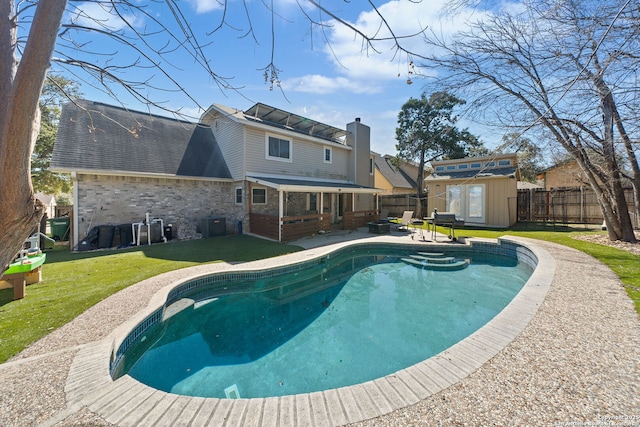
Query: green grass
{"x":73,"y":282}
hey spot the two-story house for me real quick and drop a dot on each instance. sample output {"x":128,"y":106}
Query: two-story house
{"x":264,"y":170}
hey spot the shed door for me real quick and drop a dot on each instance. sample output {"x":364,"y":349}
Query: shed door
{"x":467,"y":202}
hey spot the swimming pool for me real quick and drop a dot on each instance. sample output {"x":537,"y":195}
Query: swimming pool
{"x":246,"y":328}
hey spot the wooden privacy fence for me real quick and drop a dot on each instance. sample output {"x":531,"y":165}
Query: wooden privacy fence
{"x":396,"y":204}
{"x":567,"y":205}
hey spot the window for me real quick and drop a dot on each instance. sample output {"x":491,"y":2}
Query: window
{"x":454,"y":199}
{"x":451,"y":167}
{"x":439,"y":168}
{"x":490,"y":164}
{"x":278,"y":149}
{"x":476,"y":165}
{"x":370,"y":165}
{"x":259,"y":196}
{"x":312,"y":202}
{"x":504,"y":162}
{"x":238,"y":195}
{"x":327,"y":154}
{"x":463,"y":166}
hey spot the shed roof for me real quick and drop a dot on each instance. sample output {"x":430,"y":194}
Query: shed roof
{"x":484,"y":173}
{"x":104,"y":138}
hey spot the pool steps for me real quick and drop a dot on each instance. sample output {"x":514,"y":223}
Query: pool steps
{"x":436,"y":261}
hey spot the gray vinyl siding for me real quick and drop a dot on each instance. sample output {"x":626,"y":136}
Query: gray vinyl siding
{"x":230,"y":135}
{"x":307,"y":157}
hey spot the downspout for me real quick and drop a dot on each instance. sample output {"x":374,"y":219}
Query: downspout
{"x":76,"y":227}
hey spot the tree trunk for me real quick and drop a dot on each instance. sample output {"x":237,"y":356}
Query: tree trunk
{"x":625,"y":230}
{"x":20,"y":212}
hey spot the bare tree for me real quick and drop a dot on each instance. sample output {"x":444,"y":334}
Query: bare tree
{"x":563,"y":70}
{"x":87,"y":40}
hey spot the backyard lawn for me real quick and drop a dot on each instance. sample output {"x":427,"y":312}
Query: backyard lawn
{"x":73,"y":282}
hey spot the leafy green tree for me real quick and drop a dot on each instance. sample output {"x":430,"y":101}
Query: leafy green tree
{"x":529,"y":155}
{"x":56,"y":90}
{"x":427,"y":131}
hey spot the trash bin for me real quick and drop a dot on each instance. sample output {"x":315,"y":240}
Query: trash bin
{"x":105,"y":236}
{"x":59,"y":228}
{"x":168,"y":231}
{"x":126,"y":234}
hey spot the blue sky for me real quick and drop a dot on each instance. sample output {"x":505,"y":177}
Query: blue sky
{"x":325,"y":73}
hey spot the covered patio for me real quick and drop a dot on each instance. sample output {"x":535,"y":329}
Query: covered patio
{"x":286,"y":209}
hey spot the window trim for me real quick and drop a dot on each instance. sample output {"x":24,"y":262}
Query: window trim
{"x":253,"y":202}
{"x":281,"y":138}
{"x":235,"y":195}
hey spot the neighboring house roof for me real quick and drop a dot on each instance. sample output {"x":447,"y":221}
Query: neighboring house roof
{"x":46,"y":199}
{"x":396,"y":176}
{"x":525,"y":185}
{"x":95,"y":137}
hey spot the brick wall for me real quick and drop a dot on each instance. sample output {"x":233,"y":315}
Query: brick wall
{"x":183,"y":203}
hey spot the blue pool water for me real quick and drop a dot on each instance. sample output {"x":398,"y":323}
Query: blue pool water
{"x":362,"y":317}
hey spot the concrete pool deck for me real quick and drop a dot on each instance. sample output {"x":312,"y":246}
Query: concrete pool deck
{"x":572,"y":357}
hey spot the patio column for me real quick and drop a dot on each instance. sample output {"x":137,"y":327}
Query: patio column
{"x":321,"y":206}
{"x":280,"y":213}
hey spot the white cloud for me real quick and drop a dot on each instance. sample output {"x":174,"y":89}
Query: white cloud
{"x":321,"y":85}
{"x":204,"y":6}
{"x":101,"y":15}
{"x":360,"y":68}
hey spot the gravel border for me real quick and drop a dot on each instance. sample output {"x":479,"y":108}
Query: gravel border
{"x":576,"y":362}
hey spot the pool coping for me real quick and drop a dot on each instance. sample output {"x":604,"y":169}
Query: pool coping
{"x":126,"y":401}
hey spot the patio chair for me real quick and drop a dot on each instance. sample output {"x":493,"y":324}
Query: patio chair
{"x":384,"y":215}
{"x":404,"y":221}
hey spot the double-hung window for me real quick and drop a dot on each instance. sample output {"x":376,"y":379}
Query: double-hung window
{"x":278,"y":148}
{"x":327,"y":155}
{"x":259,"y":196}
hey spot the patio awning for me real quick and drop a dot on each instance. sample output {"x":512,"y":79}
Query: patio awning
{"x":305,"y":185}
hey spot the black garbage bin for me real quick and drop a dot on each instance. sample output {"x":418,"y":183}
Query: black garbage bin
{"x":105,"y":236}
{"x":126,"y":234}
{"x":168,"y":231}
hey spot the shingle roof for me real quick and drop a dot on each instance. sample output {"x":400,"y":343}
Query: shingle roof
{"x":396,"y":177}
{"x":99,"y":137}
{"x":506,"y":171}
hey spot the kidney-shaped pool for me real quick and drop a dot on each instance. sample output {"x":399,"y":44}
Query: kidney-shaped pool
{"x":354,"y":315}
